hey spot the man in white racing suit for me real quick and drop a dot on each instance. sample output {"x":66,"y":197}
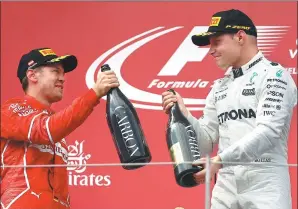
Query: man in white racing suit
{"x":248,"y":113}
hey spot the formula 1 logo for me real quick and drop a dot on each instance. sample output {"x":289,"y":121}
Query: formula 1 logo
{"x":186,"y":52}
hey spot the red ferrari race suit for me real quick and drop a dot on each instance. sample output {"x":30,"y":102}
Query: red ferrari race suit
{"x":32,"y":134}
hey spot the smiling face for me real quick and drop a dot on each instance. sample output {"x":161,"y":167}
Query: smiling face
{"x":48,"y":80}
{"x":226,"y":49}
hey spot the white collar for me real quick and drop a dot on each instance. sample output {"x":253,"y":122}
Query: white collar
{"x":235,"y":73}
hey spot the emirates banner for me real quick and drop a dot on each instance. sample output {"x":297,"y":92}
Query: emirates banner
{"x":148,"y":45}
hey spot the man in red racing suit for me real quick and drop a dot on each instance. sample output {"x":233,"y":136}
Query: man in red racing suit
{"x":32,"y":134}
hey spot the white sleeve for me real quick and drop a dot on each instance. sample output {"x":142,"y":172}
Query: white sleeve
{"x":277,"y":97}
{"x":207,"y":126}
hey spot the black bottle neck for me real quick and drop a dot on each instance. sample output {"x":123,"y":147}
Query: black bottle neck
{"x":175,"y":113}
{"x":114,"y":91}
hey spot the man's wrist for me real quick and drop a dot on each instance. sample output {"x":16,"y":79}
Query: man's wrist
{"x":219,"y":161}
{"x":91,"y":97}
{"x":98,"y":94}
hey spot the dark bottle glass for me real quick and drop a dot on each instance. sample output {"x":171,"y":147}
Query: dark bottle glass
{"x":183,"y":146}
{"x":125,"y":128}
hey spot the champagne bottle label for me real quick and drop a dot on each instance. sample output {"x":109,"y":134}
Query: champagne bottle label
{"x":193,"y":143}
{"x":176,"y":154}
{"x":126,"y":131}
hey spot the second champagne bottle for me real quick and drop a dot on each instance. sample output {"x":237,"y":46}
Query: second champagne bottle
{"x":125,"y":127}
{"x":183,"y":146}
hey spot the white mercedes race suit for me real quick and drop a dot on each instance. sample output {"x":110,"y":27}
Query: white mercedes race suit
{"x":248,"y":112}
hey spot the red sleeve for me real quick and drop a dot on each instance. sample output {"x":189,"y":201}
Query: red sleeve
{"x":26,"y":124}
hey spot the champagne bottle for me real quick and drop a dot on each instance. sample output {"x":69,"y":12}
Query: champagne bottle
{"x":125,"y":127}
{"x":183,"y":146}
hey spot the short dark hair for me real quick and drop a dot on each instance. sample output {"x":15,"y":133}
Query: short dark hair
{"x":25,"y":82}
